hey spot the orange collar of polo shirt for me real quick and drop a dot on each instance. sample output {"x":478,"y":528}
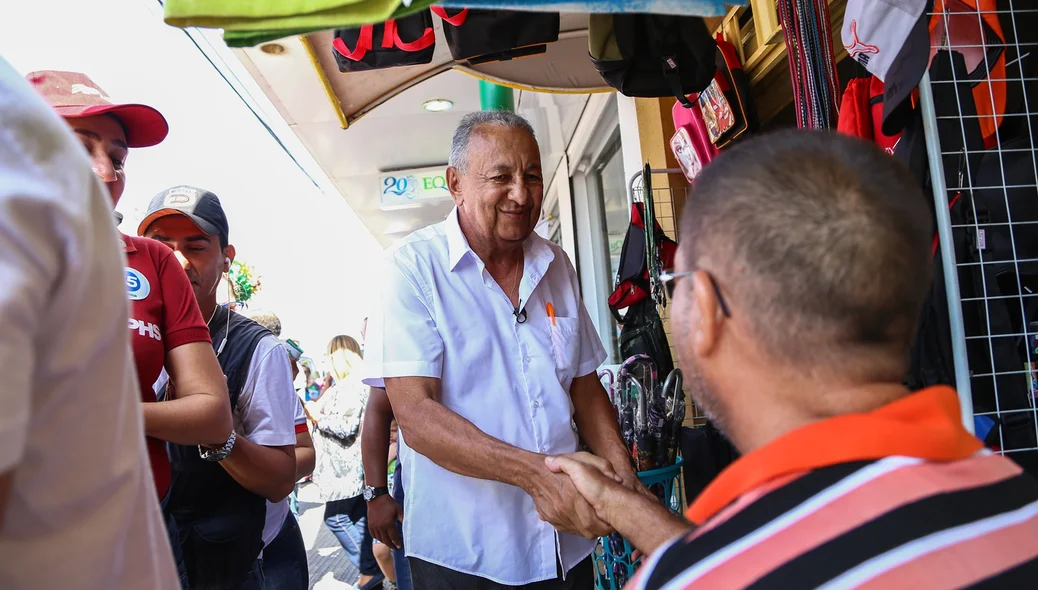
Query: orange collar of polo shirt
{"x":926,"y":424}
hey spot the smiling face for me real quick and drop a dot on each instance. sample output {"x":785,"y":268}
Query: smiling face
{"x":104,"y":138}
{"x":200,"y":253}
{"x":499,"y":193}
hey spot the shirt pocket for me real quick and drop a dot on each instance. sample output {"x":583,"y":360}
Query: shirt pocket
{"x":565,"y":344}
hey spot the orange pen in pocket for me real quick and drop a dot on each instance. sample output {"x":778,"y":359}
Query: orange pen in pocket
{"x":551,"y":313}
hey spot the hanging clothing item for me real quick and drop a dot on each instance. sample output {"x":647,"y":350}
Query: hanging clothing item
{"x":861,"y":113}
{"x":889,"y":40}
{"x":482,"y":36}
{"x":268,"y":15}
{"x":649,"y":56}
{"x":812,"y":67}
{"x":676,"y":7}
{"x":251,"y":38}
{"x":404,"y":42}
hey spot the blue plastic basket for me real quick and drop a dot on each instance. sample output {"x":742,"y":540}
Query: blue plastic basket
{"x":613,"y":563}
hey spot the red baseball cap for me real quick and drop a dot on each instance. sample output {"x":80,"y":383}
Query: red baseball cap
{"x":75,"y":95}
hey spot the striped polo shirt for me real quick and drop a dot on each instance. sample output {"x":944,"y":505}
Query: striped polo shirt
{"x":902,"y":497}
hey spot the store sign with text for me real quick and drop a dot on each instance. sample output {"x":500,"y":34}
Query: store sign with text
{"x":408,"y":188}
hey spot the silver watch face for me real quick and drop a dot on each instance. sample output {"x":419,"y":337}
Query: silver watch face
{"x":369,"y":493}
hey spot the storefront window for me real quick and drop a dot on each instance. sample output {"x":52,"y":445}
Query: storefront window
{"x":554,"y":225}
{"x":612,"y":186}
{"x":614,"y":200}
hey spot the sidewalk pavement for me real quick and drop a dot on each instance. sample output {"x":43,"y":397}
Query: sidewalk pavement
{"x":330,"y":569}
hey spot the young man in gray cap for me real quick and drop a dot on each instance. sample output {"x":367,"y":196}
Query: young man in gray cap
{"x":221,"y":492}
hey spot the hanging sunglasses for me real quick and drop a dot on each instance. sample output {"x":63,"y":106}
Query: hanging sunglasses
{"x":669,"y":280}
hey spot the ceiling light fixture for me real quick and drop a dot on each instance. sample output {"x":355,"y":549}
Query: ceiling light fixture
{"x":437,"y":105}
{"x":272,"y":48}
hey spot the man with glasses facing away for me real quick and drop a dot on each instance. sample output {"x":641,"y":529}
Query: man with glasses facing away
{"x":803,"y":267}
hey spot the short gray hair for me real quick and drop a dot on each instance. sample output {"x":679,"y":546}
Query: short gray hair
{"x":460,"y":142}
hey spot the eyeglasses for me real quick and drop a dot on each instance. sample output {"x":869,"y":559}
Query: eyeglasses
{"x":669,"y":280}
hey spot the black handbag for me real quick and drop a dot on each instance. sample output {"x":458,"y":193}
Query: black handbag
{"x":482,"y":36}
{"x":401,"y":42}
{"x":643,"y":333}
{"x":653,"y":56}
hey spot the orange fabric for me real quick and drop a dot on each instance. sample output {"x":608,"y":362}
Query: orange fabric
{"x":925,"y":424}
{"x":990,"y":94}
{"x":856,"y":508}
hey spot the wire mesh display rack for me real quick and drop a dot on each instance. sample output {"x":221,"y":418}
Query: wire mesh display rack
{"x":979,"y":127}
{"x":665,"y":199}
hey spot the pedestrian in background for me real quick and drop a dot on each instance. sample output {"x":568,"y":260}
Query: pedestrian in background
{"x":338,"y":416}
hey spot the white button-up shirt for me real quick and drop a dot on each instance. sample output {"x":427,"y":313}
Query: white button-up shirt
{"x":442,"y":315}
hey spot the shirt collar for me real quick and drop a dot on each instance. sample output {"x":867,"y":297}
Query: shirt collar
{"x":458,"y":244}
{"x":926,"y":424}
{"x":128,"y":245}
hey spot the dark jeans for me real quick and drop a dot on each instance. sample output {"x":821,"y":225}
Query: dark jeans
{"x":400,"y":564}
{"x":284,"y":560}
{"x":348,"y":520}
{"x":254,"y":581}
{"x":427,"y":576}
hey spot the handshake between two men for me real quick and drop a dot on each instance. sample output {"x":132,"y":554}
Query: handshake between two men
{"x":588,"y":497}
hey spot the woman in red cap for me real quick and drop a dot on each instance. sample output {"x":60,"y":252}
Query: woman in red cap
{"x":167,"y":330}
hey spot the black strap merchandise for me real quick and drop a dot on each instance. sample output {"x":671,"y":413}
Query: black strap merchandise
{"x":481,"y":36}
{"x":653,"y":56}
{"x":220,"y":523}
{"x":642,"y":330}
{"x":401,"y":42}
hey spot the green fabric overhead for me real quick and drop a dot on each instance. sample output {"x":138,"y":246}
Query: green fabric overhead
{"x":251,"y":38}
{"x":277,"y":15}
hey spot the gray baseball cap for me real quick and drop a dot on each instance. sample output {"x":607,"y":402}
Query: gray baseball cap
{"x":197,"y":204}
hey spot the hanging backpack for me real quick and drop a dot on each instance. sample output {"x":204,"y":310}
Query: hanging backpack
{"x":401,"y":42}
{"x":632,"y":278}
{"x":482,"y":36}
{"x":643,"y":256}
{"x":727,"y":103}
{"x":651,"y":55}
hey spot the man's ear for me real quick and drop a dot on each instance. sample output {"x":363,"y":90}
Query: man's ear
{"x":709,"y":317}
{"x":229,"y":253}
{"x":454,"y":185}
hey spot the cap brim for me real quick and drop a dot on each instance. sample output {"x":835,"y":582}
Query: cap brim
{"x":206,"y":227}
{"x":904,"y":77}
{"x":144,"y":125}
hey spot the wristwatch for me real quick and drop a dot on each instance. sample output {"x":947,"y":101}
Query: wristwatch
{"x":371,"y":493}
{"x":219,"y":454}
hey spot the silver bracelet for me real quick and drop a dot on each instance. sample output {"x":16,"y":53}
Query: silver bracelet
{"x":214,"y":455}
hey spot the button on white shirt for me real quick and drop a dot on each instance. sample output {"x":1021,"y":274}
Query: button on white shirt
{"x":442,"y":315}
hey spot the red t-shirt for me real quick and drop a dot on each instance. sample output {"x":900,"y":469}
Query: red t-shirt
{"x":163,"y":316}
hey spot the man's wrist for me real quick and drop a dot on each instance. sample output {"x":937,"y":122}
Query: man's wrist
{"x":530,"y":472}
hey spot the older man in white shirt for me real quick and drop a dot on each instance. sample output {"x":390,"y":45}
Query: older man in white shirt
{"x":489,"y":357}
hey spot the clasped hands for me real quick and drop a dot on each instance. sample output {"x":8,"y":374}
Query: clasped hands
{"x":579,"y":491}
